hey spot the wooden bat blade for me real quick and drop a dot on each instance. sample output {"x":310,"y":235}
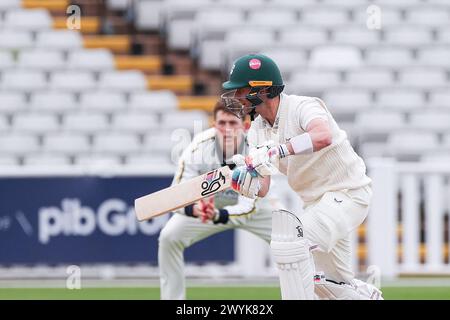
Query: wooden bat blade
{"x":183,"y":194}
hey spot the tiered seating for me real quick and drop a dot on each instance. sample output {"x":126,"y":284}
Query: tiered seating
{"x":393,"y":75}
{"x":73,"y":97}
{"x":62,"y":103}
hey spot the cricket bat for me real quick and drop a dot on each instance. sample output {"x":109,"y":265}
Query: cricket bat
{"x":183,"y":194}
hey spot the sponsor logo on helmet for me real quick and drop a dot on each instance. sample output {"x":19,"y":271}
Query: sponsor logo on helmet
{"x":232,"y":69}
{"x":254,"y":64}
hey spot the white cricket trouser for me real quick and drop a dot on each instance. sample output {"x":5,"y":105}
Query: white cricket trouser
{"x":181,"y":232}
{"x":328,"y":223}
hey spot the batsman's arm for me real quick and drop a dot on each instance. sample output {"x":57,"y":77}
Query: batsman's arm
{"x":265,"y":186}
{"x":317,"y":136}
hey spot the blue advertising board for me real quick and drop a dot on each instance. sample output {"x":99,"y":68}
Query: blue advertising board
{"x":88,"y":219}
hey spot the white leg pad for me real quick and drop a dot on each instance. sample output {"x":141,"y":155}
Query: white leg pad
{"x":357,"y":290}
{"x":292,"y":256}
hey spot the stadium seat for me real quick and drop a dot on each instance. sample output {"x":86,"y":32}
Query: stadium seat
{"x":6,"y":60}
{"x":9,"y":4}
{"x":118,"y":4}
{"x":123,"y":81}
{"x":242,"y":41}
{"x":11,"y":102}
{"x":355,"y":37}
{"x":411,"y":144}
{"x":399,"y":3}
{"x":431,"y":120}
{"x":408,"y":36}
{"x":439,"y":99}
{"x":211,"y":54}
{"x":347,"y":3}
{"x":9,"y":161}
{"x":148,"y":14}
{"x":97,"y":161}
{"x":402,"y":99}
{"x":289,"y":4}
{"x":438,"y":2}
{"x":106,"y":101}
{"x":59,"y":39}
{"x":138,"y":122}
{"x":288,"y":59}
{"x":180,"y":34}
{"x":372,"y":125}
{"x":85,"y":122}
{"x":24,"y":80}
{"x":302,"y":37}
{"x":46,"y":160}
{"x":434,"y":56}
{"x":326,"y":16}
{"x":446,"y":141}
{"x":347,"y":100}
{"x":243,"y":5}
{"x":437,"y":157}
{"x":4,"y":126}
{"x":370,"y":78}
{"x":35,"y":123}
{"x":395,"y":57}
{"x":41,"y":59}
{"x":66,"y":143}
{"x":178,"y":21}
{"x":165,"y":141}
{"x":116,"y":143}
{"x":158,"y":101}
{"x":269,"y":17}
{"x":423,"y":78}
{"x":18,"y":144}
{"x":15,"y":40}
{"x":373,"y":149}
{"x":209,"y":32}
{"x":428,"y":15}
{"x":30,"y":19}
{"x":91,"y":60}
{"x":72,"y":81}
{"x":390,"y":17}
{"x":217,"y":19}
{"x":443,"y":35}
{"x":304,"y":81}
{"x":335,"y":57}
{"x":147,"y":159}
{"x":190,"y":120}
{"x":53,"y":101}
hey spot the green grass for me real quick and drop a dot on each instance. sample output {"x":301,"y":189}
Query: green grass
{"x":201,"y":293}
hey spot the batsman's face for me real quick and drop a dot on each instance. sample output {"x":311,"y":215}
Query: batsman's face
{"x":229,"y":127}
{"x":241,"y":95}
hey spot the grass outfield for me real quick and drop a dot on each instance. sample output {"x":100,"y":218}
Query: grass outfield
{"x":201,"y":293}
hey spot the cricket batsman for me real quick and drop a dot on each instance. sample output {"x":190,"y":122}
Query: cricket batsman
{"x":298,"y":136}
{"x":209,"y":150}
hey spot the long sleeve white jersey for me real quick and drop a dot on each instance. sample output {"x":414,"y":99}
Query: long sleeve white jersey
{"x":333,"y":168}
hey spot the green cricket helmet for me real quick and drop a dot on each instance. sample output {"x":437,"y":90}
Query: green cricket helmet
{"x":258,"y":72}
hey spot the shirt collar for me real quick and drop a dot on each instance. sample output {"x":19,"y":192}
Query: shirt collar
{"x":276,"y":123}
